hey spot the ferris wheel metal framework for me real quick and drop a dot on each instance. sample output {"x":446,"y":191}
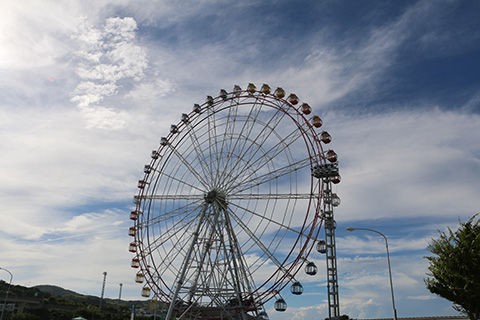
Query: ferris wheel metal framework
{"x":231,"y":205}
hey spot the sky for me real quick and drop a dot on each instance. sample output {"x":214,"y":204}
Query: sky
{"x":87,"y":88}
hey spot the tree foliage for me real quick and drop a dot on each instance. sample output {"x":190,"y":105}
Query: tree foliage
{"x":455,"y":267}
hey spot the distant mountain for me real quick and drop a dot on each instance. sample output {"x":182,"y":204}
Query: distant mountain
{"x":56,"y":291}
{"x":48,"y":302}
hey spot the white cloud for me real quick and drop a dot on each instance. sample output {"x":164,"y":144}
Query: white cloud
{"x":148,"y":94}
{"x":53,"y":163}
{"x":105,"y":118}
{"x":108,"y":56}
{"x":74,"y":253}
{"x":373,"y":244}
{"x":419,"y":155}
{"x":33,"y":34}
{"x":88,"y":223}
{"x":88,"y":92}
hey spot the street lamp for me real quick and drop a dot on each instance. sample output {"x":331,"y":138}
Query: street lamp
{"x":6,"y":295}
{"x":388,"y":260}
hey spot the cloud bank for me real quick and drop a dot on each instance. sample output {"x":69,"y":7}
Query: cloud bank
{"x":89,"y":88}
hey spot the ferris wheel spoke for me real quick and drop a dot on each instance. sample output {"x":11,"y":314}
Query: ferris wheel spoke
{"x":190,"y":168}
{"x":256,"y":141}
{"x":266,"y":196}
{"x":271,"y":247}
{"x":263,"y":217}
{"x":217,"y":158}
{"x":178,"y":244}
{"x":199,"y":154}
{"x":229,"y":122}
{"x":282,"y":221}
{"x":259,"y":140}
{"x":230,"y":125}
{"x":167,"y":263}
{"x":228,"y":139}
{"x":272,"y":125}
{"x":188,"y":217}
{"x":177,"y":228}
{"x":247,"y":184}
{"x":271,"y":154}
{"x":195,"y":187}
{"x":249,"y":122}
{"x":183,"y":211}
{"x":212,"y":142}
{"x":228,"y":172}
{"x":257,"y":241}
{"x":241,"y":142}
{"x":178,"y":239}
{"x":193,"y":197}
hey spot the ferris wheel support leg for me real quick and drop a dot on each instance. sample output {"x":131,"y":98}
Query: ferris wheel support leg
{"x":185,"y":264}
{"x":239,"y":270}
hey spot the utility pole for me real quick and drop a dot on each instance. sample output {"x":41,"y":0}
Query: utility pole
{"x":103,"y":288}
{"x":120,"y":292}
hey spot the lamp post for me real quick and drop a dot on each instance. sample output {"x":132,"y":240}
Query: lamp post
{"x":6,"y":295}
{"x":388,"y":260}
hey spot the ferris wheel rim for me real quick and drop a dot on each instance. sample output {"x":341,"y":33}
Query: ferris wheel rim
{"x":199,"y":198}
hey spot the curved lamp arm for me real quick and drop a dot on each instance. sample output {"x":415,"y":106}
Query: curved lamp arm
{"x":388,"y":260}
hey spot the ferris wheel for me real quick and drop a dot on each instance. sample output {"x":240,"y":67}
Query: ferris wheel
{"x":230,"y":205}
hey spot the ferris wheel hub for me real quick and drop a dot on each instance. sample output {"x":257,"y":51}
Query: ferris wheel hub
{"x":216,"y":196}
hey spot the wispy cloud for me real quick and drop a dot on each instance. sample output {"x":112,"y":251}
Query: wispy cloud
{"x":392,"y":148}
{"x":107,"y":56}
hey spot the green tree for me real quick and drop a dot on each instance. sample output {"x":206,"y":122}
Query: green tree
{"x":455,"y":267}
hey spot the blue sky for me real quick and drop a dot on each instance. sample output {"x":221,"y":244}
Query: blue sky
{"x":87,"y":88}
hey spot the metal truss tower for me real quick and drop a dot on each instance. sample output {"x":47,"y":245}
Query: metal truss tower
{"x":331,"y":200}
{"x":329,"y":174}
